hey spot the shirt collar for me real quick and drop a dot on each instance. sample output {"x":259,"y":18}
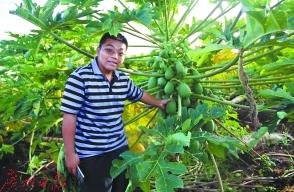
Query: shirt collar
{"x":97,"y":71}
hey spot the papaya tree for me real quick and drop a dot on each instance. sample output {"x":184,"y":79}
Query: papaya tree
{"x":208,"y":68}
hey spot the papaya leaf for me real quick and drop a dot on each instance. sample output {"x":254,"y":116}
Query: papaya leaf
{"x":128,"y":158}
{"x":173,"y":167}
{"x":278,"y":94}
{"x":229,"y":143}
{"x":186,"y":126}
{"x":216,"y":112}
{"x":175,"y":143}
{"x":167,"y":183}
{"x":6,"y":149}
{"x":217,"y":150}
{"x":259,"y":24}
{"x":48,"y":9}
{"x":146,"y":169}
{"x":30,"y":17}
{"x":164,"y":173}
{"x":256,"y":136}
{"x":196,"y":53}
{"x":282,"y":63}
{"x":144,"y":14}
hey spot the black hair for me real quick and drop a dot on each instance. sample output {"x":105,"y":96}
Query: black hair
{"x":119,"y":37}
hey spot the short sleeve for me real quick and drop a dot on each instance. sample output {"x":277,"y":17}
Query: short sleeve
{"x":134,"y":93}
{"x":73,"y":96}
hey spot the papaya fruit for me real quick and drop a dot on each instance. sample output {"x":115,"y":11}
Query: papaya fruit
{"x":171,"y":107}
{"x":169,"y":73}
{"x":169,"y":88}
{"x":197,"y":88}
{"x":180,"y":69}
{"x":161,"y":82}
{"x":152,"y":82}
{"x":184,"y":90}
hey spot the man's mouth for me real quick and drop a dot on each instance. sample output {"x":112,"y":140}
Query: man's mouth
{"x":112,"y":62}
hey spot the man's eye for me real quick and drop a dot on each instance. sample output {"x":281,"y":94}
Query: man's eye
{"x":121,"y":54}
{"x":109,"y":51}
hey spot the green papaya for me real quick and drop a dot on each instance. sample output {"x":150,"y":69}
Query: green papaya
{"x":186,"y":102}
{"x":197,"y":88}
{"x":184,"y":90}
{"x":152,"y":82}
{"x":180,"y":69}
{"x":169,"y":73}
{"x":169,"y":88}
{"x":171,"y":107}
{"x":161,"y":81}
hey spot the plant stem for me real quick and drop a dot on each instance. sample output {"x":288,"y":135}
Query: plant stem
{"x":251,"y":84}
{"x":184,"y":16}
{"x":151,"y":39}
{"x":135,"y":35}
{"x":249,"y":93}
{"x":224,"y":68}
{"x":250,"y":80}
{"x":245,"y":60}
{"x":179,"y":106}
{"x":203,"y":21}
{"x":209,"y":23}
{"x":31,"y":144}
{"x":219,"y":101}
{"x":141,"y":133}
{"x":139,"y":116}
{"x":141,"y":73}
{"x":166,"y":21}
{"x":217,"y":172}
{"x":70,"y":45}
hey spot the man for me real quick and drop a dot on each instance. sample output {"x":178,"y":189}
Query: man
{"x":92,"y":106}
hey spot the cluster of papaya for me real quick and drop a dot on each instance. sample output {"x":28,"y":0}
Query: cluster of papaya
{"x":174,"y":66}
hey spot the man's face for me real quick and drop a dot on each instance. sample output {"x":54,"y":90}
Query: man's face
{"x":111,"y":55}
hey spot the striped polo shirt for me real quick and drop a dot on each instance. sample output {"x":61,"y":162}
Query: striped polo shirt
{"x":99,"y":105}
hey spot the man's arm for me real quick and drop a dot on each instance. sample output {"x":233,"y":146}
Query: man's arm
{"x":151,"y":100}
{"x":68,"y":134}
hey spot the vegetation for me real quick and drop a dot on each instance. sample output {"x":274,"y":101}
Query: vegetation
{"x":213,"y":70}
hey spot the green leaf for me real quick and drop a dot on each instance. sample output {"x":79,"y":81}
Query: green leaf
{"x":197,"y":53}
{"x":36,"y":107}
{"x":256,"y":136}
{"x":172,"y":167}
{"x":128,"y":158}
{"x":259,"y":24}
{"x":144,"y":14}
{"x":282,"y":114}
{"x":217,"y":150}
{"x":283,"y":63}
{"x":146,"y":169}
{"x":276,"y":20}
{"x":7,"y":149}
{"x":29,"y":16}
{"x":229,"y":143}
{"x":186,"y":125}
{"x":279,"y":93}
{"x":216,"y":112}
{"x":167,"y":183}
{"x":47,"y":13}
{"x":175,"y":143}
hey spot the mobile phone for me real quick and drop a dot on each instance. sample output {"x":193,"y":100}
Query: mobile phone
{"x":80,"y":175}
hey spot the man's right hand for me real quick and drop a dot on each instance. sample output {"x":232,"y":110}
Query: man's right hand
{"x":72,"y":161}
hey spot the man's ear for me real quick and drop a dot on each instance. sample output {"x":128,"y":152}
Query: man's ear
{"x":97,"y":50}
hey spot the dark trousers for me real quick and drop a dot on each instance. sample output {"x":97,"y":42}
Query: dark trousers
{"x":97,"y":173}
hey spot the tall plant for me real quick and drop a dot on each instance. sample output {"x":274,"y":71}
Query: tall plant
{"x":237,"y":56}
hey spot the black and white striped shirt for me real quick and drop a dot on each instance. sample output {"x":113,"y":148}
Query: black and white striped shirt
{"x":98,"y":105}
